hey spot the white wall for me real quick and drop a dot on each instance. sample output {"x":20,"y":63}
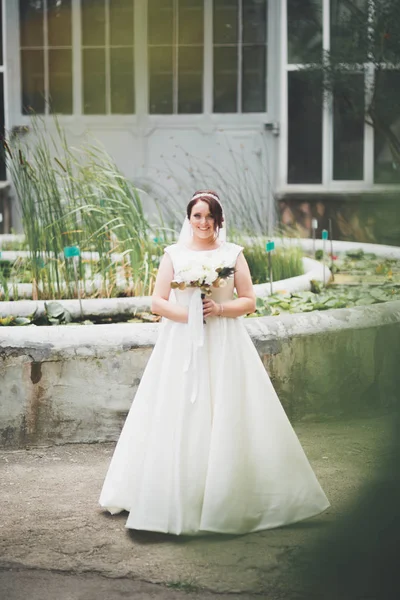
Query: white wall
{"x":161,"y":149}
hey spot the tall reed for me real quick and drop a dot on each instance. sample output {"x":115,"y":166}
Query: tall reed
{"x":78,"y":197}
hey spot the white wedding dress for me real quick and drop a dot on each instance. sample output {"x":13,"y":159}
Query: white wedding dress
{"x":207,"y":446}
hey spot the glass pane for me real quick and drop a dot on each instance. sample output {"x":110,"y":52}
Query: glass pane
{"x":387,"y":42}
{"x":59,"y":22}
{"x":348,"y":128}
{"x":60,"y":81}
{"x":31,"y":22}
{"x":225,"y":79}
{"x":254,"y":76}
{"x":387,"y":129}
{"x":190,"y":80}
{"x":191,"y":22}
{"x":122,"y":81}
{"x":225,"y":21}
{"x":32,"y":75}
{"x":349,"y":30}
{"x":93,"y":22}
{"x":304,"y":31}
{"x":121,"y":22}
{"x":161,"y":80}
{"x":160,"y":21}
{"x":255,"y":22}
{"x":305,"y":127}
{"x":3,"y":175}
{"x":94,"y":70}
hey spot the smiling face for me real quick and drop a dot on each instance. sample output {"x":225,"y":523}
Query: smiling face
{"x":202,"y":221}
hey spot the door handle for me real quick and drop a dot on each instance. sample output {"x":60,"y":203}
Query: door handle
{"x":273,"y":127}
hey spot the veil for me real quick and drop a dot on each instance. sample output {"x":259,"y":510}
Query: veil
{"x":185,"y":235}
{"x":195,"y":316}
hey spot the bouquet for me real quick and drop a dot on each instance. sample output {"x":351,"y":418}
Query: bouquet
{"x":204,"y":276}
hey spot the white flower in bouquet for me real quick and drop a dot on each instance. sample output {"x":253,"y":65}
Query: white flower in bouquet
{"x":204,"y":275}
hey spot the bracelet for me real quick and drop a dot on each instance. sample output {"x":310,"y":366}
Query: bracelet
{"x":221,"y":310}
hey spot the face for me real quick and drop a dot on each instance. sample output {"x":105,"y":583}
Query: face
{"x":201,"y":221}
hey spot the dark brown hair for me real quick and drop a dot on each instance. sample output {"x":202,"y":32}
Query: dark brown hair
{"x":213,"y":204}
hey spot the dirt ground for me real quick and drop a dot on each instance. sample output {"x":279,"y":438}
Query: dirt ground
{"x":55,"y":543}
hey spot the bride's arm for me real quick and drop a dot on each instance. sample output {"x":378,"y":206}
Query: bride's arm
{"x":160,"y":304}
{"x":246,"y":301}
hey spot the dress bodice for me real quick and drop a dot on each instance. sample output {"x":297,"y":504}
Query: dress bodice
{"x":223,"y":256}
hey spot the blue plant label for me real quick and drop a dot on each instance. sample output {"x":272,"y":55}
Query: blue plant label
{"x":324,"y":234}
{"x":270,"y":246}
{"x":71,"y":251}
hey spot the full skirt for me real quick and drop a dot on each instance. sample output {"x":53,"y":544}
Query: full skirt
{"x":207,"y":447}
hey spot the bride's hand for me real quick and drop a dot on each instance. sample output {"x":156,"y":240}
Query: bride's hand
{"x":210,"y":308}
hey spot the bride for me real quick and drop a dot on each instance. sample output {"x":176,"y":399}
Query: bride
{"x":207,"y":446}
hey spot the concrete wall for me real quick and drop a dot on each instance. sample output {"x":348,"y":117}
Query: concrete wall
{"x":76,"y":383}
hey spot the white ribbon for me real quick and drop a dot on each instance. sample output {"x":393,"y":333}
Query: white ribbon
{"x":196,"y":339}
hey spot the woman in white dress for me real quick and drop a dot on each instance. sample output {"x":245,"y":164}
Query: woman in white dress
{"x":207,"y":446}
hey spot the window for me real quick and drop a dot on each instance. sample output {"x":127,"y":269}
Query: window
{"x":46,"y":56}
{"x":305,"y":92}
{"x":78,"y":56}
{"x":387,"y":134}
{"x":349,"y":30}
{"x":175,"y":50}
{"x":240,"y":55}
{"x":354,"y":124}
{"x":305,"y":127}
{"x":348,"y":127}
{"x":304,"y":25}
{"x":108,"y":56}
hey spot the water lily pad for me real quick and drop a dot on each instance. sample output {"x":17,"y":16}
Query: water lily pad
{"x":22,"y":321}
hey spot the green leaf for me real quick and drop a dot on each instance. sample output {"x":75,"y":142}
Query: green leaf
{"x":365,"y":301}
{"x":22,"y":321}
{"x":331,"y":303}
{"x":54,"y":309}
{"x":260,"y":303}
{"x":56,"y":313}
{"x":284,"y":305}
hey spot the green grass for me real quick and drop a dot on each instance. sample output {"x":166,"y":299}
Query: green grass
{"x":286,"y":262}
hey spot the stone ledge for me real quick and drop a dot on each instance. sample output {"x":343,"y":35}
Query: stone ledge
{"x":76,"y":383}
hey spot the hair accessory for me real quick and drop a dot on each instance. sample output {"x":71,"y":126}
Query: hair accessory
{"x":202,"y":194}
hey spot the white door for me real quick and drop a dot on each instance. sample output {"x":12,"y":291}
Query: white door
{"x":182,"y":93}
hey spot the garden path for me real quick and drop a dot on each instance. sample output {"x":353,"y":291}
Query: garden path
{"x":54,"y":537}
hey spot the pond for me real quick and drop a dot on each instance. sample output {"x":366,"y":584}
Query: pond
{"x":358,"y":279}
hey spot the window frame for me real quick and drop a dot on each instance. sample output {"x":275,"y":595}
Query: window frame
{"x":328,"y":185}
{"x":141,"y":77}
{"x":107,"y":48}
{"x":46,"y":48}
